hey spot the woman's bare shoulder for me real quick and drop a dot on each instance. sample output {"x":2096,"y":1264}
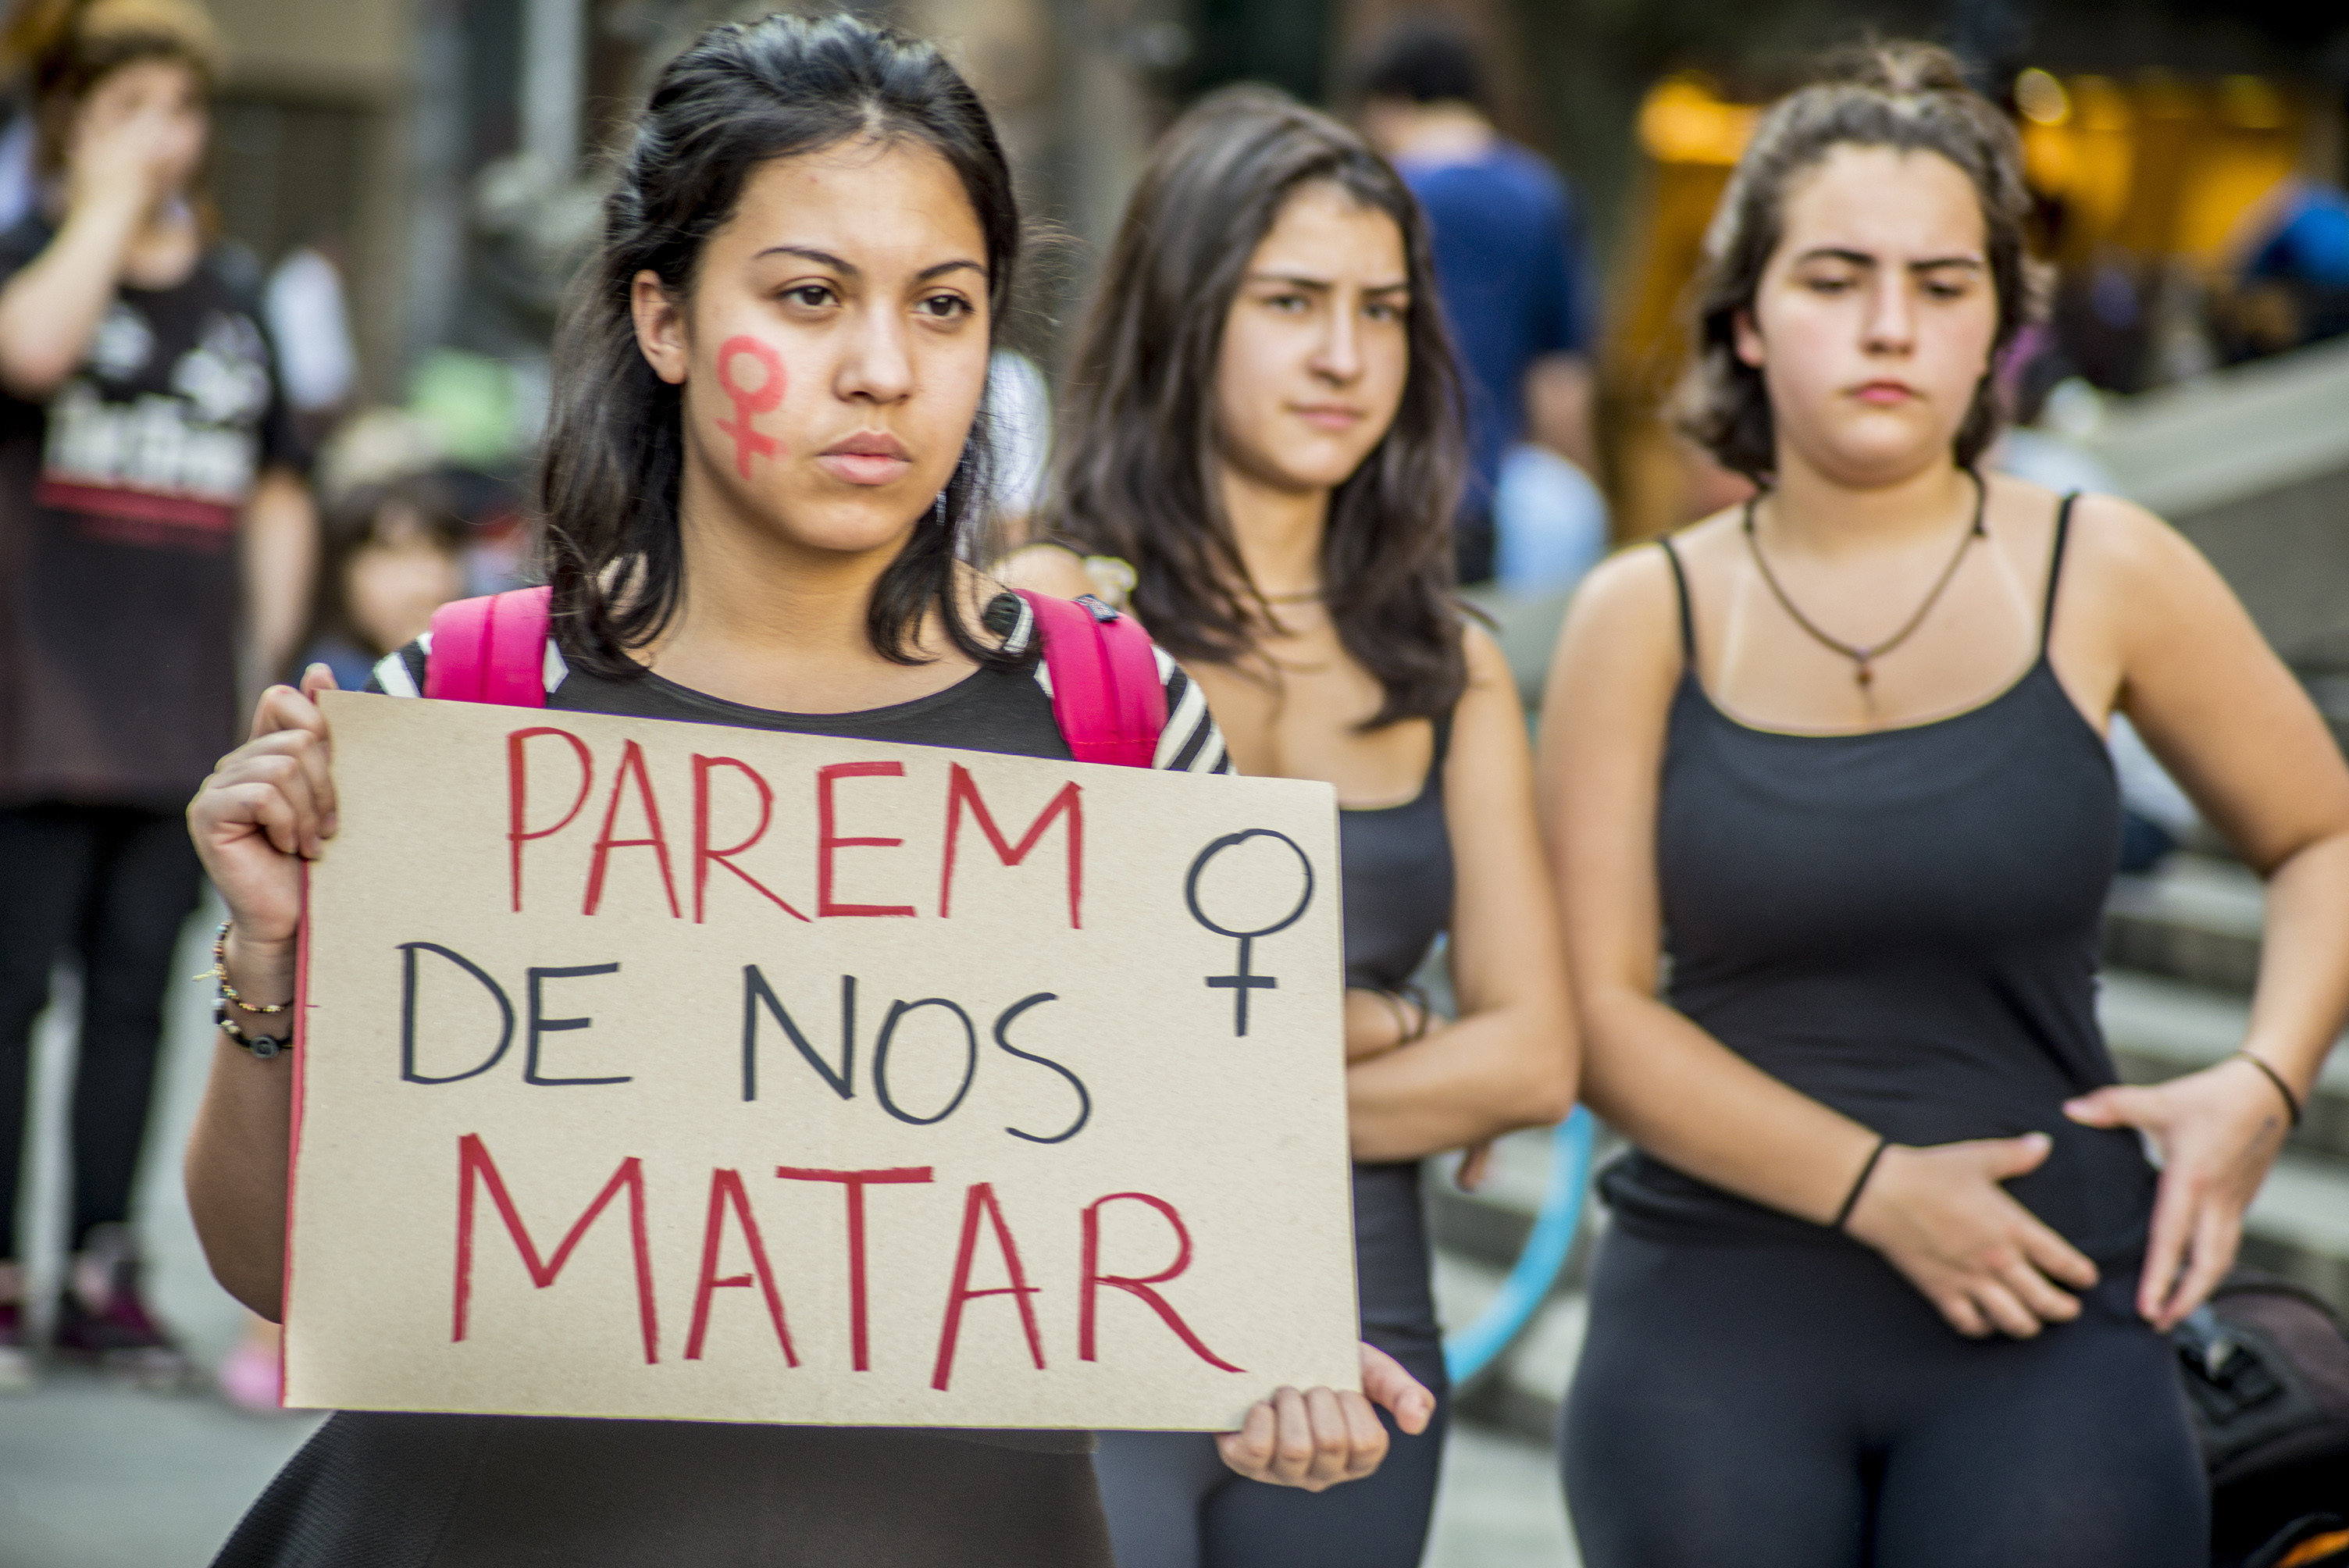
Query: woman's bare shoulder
{"x":1635,"y":588}
{"x":2135,"y":564}
{"x":1046,"y":568}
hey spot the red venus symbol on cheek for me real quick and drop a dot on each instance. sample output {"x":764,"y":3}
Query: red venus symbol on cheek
{"x":748,"y":401}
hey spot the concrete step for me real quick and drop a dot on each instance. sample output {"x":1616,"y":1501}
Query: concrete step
{"x":2194,"y":917}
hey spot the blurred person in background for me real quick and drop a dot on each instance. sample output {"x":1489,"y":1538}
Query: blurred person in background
{"x":1895,"y":1258}
{"x":394,"y":552}
{"x":2290,"y":283}
{"x":156,"y":540}
{"x":1264,"y":424}
{"x":309,"y":318}
{"x":1510,"y":266}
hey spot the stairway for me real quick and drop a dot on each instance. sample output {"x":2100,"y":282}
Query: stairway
{"x":2181,"y":947}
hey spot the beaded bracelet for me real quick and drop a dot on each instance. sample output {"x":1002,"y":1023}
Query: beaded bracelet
{"x":261,"y":1046}
{"x":219,"y":970}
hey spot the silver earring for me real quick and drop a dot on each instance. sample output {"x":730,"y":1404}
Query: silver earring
{"x":940,"y":507}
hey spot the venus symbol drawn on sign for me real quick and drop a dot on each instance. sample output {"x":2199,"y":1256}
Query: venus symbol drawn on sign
{"x":751,"y":400}
{"x":1244,"y":980}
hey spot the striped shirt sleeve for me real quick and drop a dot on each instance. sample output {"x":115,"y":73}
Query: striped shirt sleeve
{"x":1190,"y":743}
{"x":401,"y":673}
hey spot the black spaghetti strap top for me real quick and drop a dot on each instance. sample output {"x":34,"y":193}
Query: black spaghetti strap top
{"x":1902,"y":925}
{"x":1397,"y":868}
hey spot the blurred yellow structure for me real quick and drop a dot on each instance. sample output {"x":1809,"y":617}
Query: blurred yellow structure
{"x":2160,"y":168}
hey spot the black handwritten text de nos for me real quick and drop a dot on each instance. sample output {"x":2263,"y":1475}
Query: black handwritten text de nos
{"x":764,"y":1017}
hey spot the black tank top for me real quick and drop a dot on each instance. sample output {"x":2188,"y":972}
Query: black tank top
{"x":1903,"y":926}
{"x":1397,"y":868}
{"x":1396,"y":865}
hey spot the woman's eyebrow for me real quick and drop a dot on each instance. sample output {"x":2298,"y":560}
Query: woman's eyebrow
{"x":810,"y":253}
{"x":961,"y":264}
{"x":1323,"y":286}
{"x":850,"y":268}
{"x":1863,"y":259}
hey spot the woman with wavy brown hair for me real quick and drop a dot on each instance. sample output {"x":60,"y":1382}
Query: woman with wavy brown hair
{"x":1890,"y":1271}
{"x":1264,"y":426}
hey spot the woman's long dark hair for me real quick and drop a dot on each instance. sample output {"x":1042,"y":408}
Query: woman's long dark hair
{"x":1140,"y":448}
{"x":608,"y":484}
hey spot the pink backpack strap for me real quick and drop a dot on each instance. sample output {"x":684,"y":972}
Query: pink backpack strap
{"x":491,"y":649}
{"x":1106,"y":693}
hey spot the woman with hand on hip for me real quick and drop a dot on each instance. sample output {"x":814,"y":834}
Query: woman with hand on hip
{"x":832,"y":194}
{"x":1263,"y":425}
{"x":1891,"y":1272}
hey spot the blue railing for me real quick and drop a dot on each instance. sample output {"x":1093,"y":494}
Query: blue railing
{"x":1473,"y":1348}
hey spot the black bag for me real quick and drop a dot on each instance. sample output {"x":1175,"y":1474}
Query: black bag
{"x":2266,"y":1368}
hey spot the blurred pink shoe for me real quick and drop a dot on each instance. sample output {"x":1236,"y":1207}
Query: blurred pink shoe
{"x":103,"y":1318}
{"x":248,"y":1377}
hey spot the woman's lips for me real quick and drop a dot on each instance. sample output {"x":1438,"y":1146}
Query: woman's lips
{"x":1885,"y":394}
{"x":1334,"y":417}
{"x":862,"y":468}
{"x":867,"y":458}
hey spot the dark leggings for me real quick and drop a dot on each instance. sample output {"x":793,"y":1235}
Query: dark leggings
{"x":113,"y":884}
{"x":1782,"y":1407}
{"x":1173,"y":1504}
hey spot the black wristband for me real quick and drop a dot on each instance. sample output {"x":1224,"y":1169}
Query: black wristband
{"x":1860,"y":1183}
{"x":261,"y":1046}
{"x":2290,"y":1100}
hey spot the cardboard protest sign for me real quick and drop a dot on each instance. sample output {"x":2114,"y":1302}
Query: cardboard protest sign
{"x":659,"y":1070}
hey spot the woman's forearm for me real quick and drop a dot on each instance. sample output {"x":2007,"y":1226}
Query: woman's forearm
{"x":236,"y":1167}
{"x":50,"y":310}
{"x":1691,"y":1102}
{"x":237,"y":1152}
{"x":2302,"y":990}
{"x":1489,"y":1073}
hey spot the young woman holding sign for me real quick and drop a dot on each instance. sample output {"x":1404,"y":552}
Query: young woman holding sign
{"x":1890,"y":1271}
{"x":1264,"y":427}
{"x":760,"y":470}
